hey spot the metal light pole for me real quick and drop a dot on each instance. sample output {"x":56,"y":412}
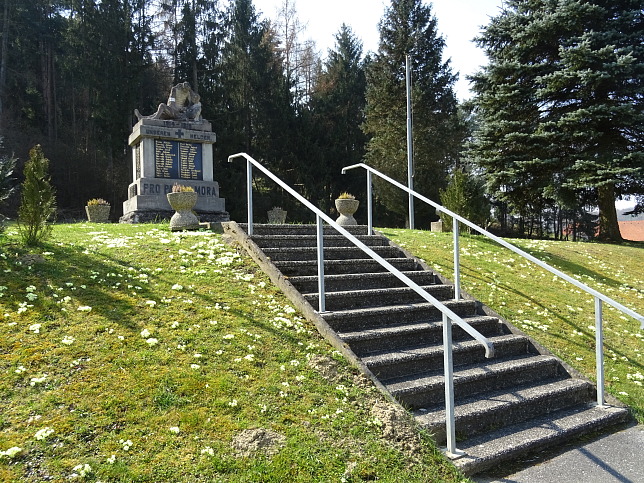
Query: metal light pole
{"x":410,"y":149}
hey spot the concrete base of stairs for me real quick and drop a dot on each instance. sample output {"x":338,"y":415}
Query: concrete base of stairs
{"x":611,"y":458}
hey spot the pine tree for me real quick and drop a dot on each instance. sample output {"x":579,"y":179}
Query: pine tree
{"x":38,"y":202}
{"x":410,"y":28}
{"x":561,"y":105}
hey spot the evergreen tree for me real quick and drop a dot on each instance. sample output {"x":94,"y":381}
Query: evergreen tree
{"x":410,"y":28}
{"x":464,"y":195}
{"x":338,"y":112}
{"x":38,"y":203}
{"x":561,"y":104}
{"x":256,"y":111}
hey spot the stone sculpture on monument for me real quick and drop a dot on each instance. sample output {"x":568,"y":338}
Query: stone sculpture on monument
{"x":173,"y":145}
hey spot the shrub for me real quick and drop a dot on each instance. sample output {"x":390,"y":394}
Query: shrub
{"x":38,"y":201}
{"x":464,"y":196}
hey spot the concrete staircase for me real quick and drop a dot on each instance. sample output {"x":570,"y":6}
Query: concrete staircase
{"x":524,"y":400}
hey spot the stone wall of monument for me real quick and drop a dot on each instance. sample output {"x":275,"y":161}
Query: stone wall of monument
{"x":165,"y":152}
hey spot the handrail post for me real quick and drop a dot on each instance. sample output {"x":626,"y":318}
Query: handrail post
{"x":457,"y":268}
{"x":249,"y":195}
{"x":320,"y":241}
{"x":599,"y":351}
{"x":410,"y":148}
{"x":448,"y":364}
{"x":369,"y":205}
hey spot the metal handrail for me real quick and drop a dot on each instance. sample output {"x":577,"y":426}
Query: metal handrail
{"x":598,"y":296}
{"x":448,"y":315}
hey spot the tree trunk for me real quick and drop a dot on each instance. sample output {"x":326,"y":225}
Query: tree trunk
{"x":608,"y":225}
{"x":4,"y":53}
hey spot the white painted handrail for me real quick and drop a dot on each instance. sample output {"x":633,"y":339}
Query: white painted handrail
{"x":448,"y":315}
{"x":598,"y":296}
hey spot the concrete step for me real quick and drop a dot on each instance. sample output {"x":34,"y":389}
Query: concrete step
{"x":486,"y":412}
{"x":361,"y":281}
{"x":399,"y":336}
{"x":556,"y":428}
{"x":428,"y":390}
{"x":302,"y":229}
{"x":378,"y":297}
{"x":290,"y":241}
{"x":375,"y":317}
{"x":334,"y":267}
{"x":331,"y":253}
{"x":421,"y":360}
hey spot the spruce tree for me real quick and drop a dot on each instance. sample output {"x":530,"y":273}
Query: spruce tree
{"x":256,"y":113}
{"x":38,"y":202}
{"x":409,"y":27}
{"x":561,"y":104}
{"x":338,"y":112}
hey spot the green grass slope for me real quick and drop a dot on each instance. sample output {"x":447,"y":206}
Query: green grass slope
{"x":132,"y":354}
{"x":554,"y":312}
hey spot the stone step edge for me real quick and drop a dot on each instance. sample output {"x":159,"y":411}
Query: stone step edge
{"x":392,"y":309}
{"x":343,"y":261}
{"x":304,"y":227}
{"x":407,"y":328}
{"x":465,"y":374}
{"x":301,"y":236}
{"x":500,"y":400}
{"x":396,"y":357}
{"x":295,"y":279}
{"x":488,"y":450}
{"x":377,"y":291}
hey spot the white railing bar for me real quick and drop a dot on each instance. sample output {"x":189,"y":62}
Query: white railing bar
{"x":507,"y":245}
{"x":489,"y":348}
{"x":369,"y":204}
{"x":320,"y":242}
{"x":457,"y":263}
{"x":448,"y":367}
{"x":249,"y":195}
{"x":599,"y":352}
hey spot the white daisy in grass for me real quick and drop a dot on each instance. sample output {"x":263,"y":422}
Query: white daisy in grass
{"x":44,"y":433}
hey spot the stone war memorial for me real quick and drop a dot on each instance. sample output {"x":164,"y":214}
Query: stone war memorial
{"x":173,"y":146}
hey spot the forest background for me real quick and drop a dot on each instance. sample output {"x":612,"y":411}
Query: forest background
{"x":538,"y":143}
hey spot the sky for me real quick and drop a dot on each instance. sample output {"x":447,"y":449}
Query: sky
{"x":459,"y":21}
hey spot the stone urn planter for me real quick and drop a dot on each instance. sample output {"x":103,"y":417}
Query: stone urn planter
{"x":98,"y":211}
{"x":183,"y":202}
{"x":277,"y":216}
{"x":346,"y":207}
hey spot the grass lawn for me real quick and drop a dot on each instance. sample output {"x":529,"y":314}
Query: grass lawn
{"x":557,"y":314}
{"x":132,"y":354}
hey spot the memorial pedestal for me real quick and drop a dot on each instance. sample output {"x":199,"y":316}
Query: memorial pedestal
{"x":166,"y":152}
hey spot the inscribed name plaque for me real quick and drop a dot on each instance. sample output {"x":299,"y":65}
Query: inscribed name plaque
{"x":173,"y":146}
{"x":178,"y":160}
